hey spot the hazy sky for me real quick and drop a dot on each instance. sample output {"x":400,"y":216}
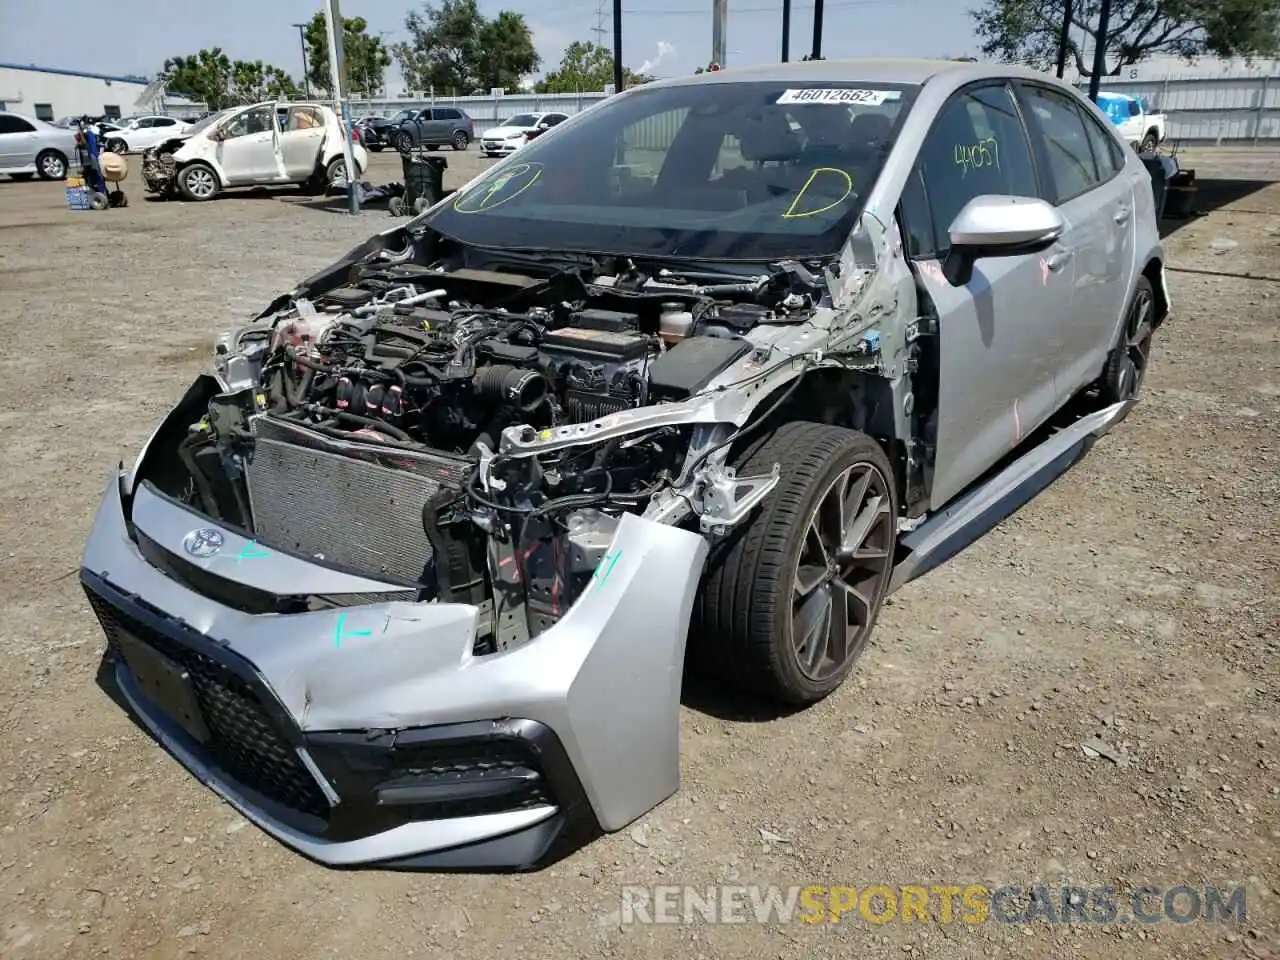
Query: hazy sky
{"x":135,"y":36}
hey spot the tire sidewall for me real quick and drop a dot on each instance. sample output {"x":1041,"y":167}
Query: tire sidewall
{"x":186,"y":192}
{"x":40,"y":161}
{"x":1111,"y":385}
{"x":789,"y":664}
{"x":460,"y":141}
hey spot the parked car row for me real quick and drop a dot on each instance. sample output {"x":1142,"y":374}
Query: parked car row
{"x":435,"y":127}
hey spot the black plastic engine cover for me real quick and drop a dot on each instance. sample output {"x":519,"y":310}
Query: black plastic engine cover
{"x":690,"y":365}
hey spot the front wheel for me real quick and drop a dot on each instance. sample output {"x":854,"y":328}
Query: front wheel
{"x":1149,"y":143}
{"x":51,"y":165}
{"x":404,"y":142}
{"x":116,"y":145}
{"x":790,"y":599}
{"x":461,"y":140}
{"x":198,"y":183}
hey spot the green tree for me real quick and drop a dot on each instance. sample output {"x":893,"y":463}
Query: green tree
{"x":255,"y":81}
{"x":214,"y":78}
{"x":204,"y":76}
{"x":453,"y":47}
{"x":1028,"y":30}
{"x":585,"y":66}
{"x":365,"y":58}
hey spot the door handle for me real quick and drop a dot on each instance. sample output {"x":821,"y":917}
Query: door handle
{"x":1122,"y":215}
{"x":1059,"y":260}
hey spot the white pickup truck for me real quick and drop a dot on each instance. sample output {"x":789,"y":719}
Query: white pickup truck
{"x":1144,"y":130}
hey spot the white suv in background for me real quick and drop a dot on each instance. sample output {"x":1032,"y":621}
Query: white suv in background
{"x":510,"y":135}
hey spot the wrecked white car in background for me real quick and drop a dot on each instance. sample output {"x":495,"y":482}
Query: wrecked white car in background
{"x":259,"y":145}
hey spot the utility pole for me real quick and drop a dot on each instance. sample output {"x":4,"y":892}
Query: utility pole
{"x":719,"y":28}
{"x":598,"y":29}
{"x":617,"y":46}
{"x":786,"y":30}
{"x":332,"y":19}
{"x":1064,"y":38}
{"x":1100,"y":49}
{"x":306,"y":78}
{"x":817,"y":30}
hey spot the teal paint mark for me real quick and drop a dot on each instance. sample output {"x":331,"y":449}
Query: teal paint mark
{"x":340,"y":630}
{"x":607,"y":564}
{"x":251,"y":551}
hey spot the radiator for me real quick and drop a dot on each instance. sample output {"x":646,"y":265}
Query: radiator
{"x":352,"y":504}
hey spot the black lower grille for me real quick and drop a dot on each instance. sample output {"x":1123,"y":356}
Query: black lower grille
{"x":245,"y":742}
{"x":444,"y":763}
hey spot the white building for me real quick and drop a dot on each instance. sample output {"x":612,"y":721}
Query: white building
{"x":51,"y":94}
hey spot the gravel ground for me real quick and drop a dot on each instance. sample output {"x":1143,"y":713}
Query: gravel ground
{"x":1137,"y":600}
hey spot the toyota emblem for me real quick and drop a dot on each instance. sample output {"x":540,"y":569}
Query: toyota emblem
{"x":204,"y":542}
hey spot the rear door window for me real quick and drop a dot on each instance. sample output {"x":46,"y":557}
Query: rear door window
{"x":1064,"y":142}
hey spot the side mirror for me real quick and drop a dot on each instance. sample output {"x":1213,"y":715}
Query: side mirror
{"x":999,"y":226}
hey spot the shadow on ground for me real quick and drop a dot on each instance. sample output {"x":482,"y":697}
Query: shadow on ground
{"x":1211,"y":195}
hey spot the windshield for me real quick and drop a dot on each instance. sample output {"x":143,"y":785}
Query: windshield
{"x":207,"y":122}
{"x":716,"y":171}
{"x":520,"y":120}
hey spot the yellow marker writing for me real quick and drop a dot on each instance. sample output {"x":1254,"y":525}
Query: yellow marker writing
{"x":793,"y":214}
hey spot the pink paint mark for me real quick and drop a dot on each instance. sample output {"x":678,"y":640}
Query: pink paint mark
{"x":1044,"y":272}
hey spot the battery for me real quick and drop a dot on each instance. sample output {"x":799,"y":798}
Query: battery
{"x":596,"y":345}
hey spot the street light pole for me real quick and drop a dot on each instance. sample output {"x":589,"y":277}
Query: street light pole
{"x":617,"y":46}
{"x":334,"y":31}
{"x":302,"y":38}
{"x":817,"y":31}
{"x":786,"y":30}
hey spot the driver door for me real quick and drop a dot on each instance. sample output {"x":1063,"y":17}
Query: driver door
{"x":248,"y":145}
{"x":996,"y":334}
{"x":300,"y":144}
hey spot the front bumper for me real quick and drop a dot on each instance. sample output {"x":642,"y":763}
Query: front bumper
{"x":371,"y":734}
{"x":502,"y":147}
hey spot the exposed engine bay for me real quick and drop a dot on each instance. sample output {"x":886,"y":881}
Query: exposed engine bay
{"x":473,"y":433}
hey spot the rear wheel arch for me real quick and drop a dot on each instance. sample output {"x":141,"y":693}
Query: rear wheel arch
{"x":1154,"y":272}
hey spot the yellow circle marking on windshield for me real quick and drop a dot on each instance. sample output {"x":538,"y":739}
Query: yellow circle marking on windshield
{"x":506,"y":186}
{"x":793,"y":214}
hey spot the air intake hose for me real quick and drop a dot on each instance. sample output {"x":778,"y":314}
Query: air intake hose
{"x":526,"y":390}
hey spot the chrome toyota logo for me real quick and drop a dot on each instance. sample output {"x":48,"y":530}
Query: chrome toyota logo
{"x":204,"y":542}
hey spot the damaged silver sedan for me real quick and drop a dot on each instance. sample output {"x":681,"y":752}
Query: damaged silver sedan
{"x":408,"y":577}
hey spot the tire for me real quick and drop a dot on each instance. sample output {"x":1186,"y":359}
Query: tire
{"x":117,"y":145}
{"x":404,"y":142}
{"x":21,"y":177}
{"x":335,"y":171}
{"x":396,"y":206}
{"x":460,"y":140}
{"x":757,"y":588}
{"x":1126,"y":366}
{"x":99,"y":201}
{"x":51,"y":165}
{"x":419,"y":205}
{"x":1149,"y":143}
{"x":197,"y":183}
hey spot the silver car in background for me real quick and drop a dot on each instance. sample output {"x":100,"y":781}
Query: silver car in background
{"x":31,"y":147}
{"x":408,"y":577}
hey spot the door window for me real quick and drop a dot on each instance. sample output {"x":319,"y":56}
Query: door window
{"x":257,"y":120}
{"x":977,"y":146}
{"x":554,"y":118}
{"x":12,"y":124}
{"x":1107,"y":153}
{"x":303,"y":118}
{"x":1064,"y":142}
{"x":44,"y":111}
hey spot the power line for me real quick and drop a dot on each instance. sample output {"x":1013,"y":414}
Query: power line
{"x":598,"y":29}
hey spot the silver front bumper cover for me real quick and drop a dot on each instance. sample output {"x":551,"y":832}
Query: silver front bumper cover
{"x":605,"y":679}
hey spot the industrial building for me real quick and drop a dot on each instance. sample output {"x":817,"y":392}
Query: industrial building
{"x":50,"y":94}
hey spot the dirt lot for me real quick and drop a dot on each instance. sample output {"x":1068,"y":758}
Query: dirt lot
{"x":1138,"y":600}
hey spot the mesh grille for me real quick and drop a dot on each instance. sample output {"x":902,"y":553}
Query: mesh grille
{"x":354,"y":504}
{"x":245,"y":741}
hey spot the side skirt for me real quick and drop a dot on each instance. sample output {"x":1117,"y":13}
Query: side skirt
{"x":947,"y":532}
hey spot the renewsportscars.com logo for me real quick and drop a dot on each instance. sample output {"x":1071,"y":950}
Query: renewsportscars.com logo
{"x":937,"y":903}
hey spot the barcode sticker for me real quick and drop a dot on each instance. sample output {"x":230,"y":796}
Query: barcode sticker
{"x":870,"y":98}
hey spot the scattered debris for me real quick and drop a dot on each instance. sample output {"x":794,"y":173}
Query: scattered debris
{"x":768,"y":836}
{"x":640,"y":835}
{"x":1095,"y":747}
